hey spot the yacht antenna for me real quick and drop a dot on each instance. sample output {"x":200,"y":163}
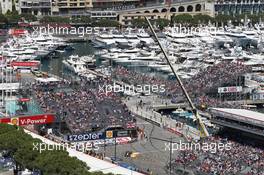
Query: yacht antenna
{"x":203,"y":130}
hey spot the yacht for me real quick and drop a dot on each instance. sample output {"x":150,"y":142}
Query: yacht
{"x":104,"y":40}
{"x":178,"y":38}
{"x":145,"y":37}
{"x":132,"y":39}
{"x":75,"y":64}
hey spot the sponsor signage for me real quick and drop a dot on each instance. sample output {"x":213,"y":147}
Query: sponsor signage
{"x":109,"y":134}
{"x":36,"y":119}
{"x":25,"y":63}
{"x":231,"y":89}
{"x":23,"y":99}
{"x":122,"y":133}
{"x":5,"y":120}
{"x":29,"y":120}
{"x":85,"y":137}
{"x":98,"y":135}
{"x":17,"y":31}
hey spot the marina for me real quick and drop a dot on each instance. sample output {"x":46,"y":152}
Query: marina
{"x":119,"y":82}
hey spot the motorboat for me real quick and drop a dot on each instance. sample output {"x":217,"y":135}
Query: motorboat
{"x":75,"y":64}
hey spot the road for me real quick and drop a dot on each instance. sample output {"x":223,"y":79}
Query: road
{"x":154,"y":154}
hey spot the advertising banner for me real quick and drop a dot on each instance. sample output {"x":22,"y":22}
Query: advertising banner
{"x":25,"y":63}
{"x":29,"y":120}
{"x":85,"y":137}
{"x":36,"y":119}
{"x":231,"y":89}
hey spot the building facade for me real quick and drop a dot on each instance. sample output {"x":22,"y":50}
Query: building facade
{"x":35,"y":7}
{"x":114,"y":4}
{"x":5,"y":5}
{"x":239,"y":7}
{"x":70,"y":7}
{"x":167,"y":10}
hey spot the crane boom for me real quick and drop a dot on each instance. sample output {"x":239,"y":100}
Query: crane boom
{"x":203,"y":130}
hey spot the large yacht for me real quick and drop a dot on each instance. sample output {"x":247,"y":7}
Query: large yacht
{"x":79,"y":64}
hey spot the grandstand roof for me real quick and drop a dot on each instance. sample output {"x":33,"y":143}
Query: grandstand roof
{"x":242,"y":114}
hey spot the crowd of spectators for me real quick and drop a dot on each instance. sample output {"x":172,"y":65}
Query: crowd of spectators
{"x":199,"y":86}
{"x":240,"y":159}
{"x":81,"y":104}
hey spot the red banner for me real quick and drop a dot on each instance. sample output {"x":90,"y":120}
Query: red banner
{"x":30,"y":120}
{"x":17,"y":32}
{"x":23,"y":99}
{"x":25,"y":64}
{"x":37,"y":119}
{"x":5,"y":120}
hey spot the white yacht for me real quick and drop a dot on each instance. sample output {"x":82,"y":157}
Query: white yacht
{"x":145,"y":37}
{"x":75,"y":64}
{"x":104,"y":40}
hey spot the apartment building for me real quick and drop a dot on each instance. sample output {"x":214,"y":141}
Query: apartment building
{"x":35,"y":7}
{"x":70,"y":7}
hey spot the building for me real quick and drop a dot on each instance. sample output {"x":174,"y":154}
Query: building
{"x":70,"y":7}
{"x":5,"y":5}
{"x":35,"y":7}
{"x":111,"y":15}
{"x":114,"y":4}
{"x":166,"y":10}
{"x":239,"y":119}
{"x":239,"y":6}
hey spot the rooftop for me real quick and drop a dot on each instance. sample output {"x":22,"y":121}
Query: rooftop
{"x":242,"y":114}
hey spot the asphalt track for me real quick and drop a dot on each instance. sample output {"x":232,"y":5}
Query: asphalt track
{"x":153,"y":154}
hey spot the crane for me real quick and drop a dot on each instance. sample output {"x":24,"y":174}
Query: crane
{"x":202,"y":128}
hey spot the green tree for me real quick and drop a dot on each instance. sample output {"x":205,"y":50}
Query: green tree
{"x":106,"y":23}
{"x":19,"y":145}
{"x":139,"y":23}
{"x":3,"y":19}
{"x":183,"y":19}
{"x":55,"y":19}
{"x":161,"y":23}
{"x":202,"y":19}
{"x":223,"y":19}
{"x":82,"y":19}
{"x":29,"y":17}
{"x":12,"y":17}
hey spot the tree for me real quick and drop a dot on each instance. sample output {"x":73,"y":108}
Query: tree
{"x":106,"y":23}
{"x":161,"y":23}
{"x":182,"y":19}
{"x":12,"y":17}
{"x":28,"y":17}
{"x":19,"y":145}
{"x":139,"y":23}
{"x":82,"y":19}
{"x":202,"y":19}
{"x":55,"y":19}
{"x":223,"y":19}
{"x":3,"y":19}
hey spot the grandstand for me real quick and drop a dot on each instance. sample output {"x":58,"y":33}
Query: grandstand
{"x":239,"y":119}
